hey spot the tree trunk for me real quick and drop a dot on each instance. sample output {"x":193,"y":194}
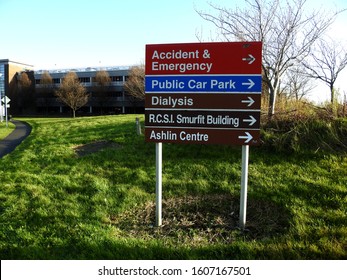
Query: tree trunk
{"x":272,"y":98}
{"x":272,"y":102}
{"x":334,"y":104}
{"x":73,"y":113}
{"x":332,"y":94}
{"x":273,"y":91}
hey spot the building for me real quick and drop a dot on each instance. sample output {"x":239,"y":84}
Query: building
{"x":105,"y":98}
{"x":8,"y":69}
{"x":31,"y":94}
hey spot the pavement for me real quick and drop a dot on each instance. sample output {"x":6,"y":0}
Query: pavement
{"x":8,"y":144}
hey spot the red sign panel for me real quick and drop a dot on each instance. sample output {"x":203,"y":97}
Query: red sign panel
{"x":204,"y":58}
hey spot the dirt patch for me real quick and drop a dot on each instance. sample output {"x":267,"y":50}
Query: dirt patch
{"x":204,"y":219}
{"x":86,"y":149}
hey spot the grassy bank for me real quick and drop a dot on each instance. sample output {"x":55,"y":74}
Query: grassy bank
{"x":4,"y":131}
{"x":85,"y":188}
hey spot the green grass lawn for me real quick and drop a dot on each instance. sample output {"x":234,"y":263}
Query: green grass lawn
{"x":4,"y":131}
{"x":84,"y":188}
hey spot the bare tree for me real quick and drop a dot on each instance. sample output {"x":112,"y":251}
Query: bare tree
{"x":285,"y":28}
{"x":72,"y":92}
{"x":135,"y":84}
{"x":46,"y":79}
{"x":102,"y":82}
{"x":24,"y":81}
{"x":326,"y":63}
{"x":45,"y":91}
{"x":297,"y":83}
{"x":26,"y":98}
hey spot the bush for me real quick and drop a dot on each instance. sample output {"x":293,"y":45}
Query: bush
{"x":307,"y":128}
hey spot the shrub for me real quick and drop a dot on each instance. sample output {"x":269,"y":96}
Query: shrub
{"x":307,"y":127}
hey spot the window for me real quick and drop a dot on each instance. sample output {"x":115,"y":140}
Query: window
{"x":84,"y":79}
{"x":2,"y":80}
{"x":116,"y":78}
{"x":56,"y":81}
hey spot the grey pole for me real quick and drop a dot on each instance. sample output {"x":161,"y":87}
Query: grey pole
{"x":158,"y":150}
{"x":244,"y":182}
{"x":5,"y":98}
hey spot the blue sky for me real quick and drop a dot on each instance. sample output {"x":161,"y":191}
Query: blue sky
{"x":88,"y":33}
{"x":73,"y":33}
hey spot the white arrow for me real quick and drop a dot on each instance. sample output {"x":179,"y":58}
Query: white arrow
{"x":251,"y":121}
{"x":5,"y":100}
{"x":250,"y":101}
{"x":250,"y":59}
{"x":250,"y":84}
{"x":248,"y":137}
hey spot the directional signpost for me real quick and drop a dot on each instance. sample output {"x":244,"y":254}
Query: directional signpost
{"x":6,"y":102}
{"x":206,"y":93}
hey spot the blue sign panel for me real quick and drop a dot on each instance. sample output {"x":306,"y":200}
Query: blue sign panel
{"x":203,"y":83}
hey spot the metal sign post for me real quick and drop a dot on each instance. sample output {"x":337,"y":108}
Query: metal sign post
{"x":158,"y":188}
{"x":6,"y":110}
{"x":6,"y":102}
{"x":244,"y":183}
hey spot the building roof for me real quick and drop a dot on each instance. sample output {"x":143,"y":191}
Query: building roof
{"x":84,"y":69}
{"x":8,"y":61}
